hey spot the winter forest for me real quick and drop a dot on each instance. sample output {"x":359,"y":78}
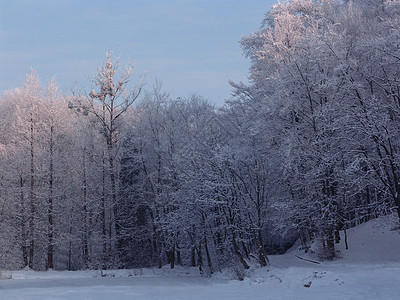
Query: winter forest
{"x":124,"y":176}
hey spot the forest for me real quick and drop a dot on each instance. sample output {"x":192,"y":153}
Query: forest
{"x":125,"y":176}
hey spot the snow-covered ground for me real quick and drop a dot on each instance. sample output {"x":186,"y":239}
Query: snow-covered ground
{"x":369,"y":269}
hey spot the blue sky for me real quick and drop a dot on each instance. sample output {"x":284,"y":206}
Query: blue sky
{"x":192,"y":46}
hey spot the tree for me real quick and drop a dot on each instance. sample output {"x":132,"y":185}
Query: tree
{"x":108,"y":105}
{"x":314,"y":68}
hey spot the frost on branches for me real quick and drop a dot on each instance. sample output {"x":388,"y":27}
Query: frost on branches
{"x":309,"y":147}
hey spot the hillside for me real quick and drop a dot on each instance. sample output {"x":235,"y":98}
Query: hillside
{"x":376,"y":241}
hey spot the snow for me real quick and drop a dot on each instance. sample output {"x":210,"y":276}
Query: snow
{"x":369,"y":269}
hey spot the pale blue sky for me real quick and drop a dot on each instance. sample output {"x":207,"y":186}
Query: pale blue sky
{"x":192,"y":46}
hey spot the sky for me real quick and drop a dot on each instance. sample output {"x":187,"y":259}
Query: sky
{"x":191,"y":46}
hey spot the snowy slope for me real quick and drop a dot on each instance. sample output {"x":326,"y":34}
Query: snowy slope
{"x":369,"y":269}
{"x":375,"y":241}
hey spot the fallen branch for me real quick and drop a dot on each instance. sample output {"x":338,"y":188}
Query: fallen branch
{"x":309,"y":260}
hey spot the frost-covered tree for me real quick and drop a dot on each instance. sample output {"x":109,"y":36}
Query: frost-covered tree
{"x":108,"y":105}
{"x":315,"y":69}
{"x":35,"y":157}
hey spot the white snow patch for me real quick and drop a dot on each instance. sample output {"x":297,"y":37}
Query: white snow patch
{"x":369,"y":269}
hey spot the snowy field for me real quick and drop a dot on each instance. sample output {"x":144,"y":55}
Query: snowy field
{"x":370,"y":281}
{"x":370,"y":269}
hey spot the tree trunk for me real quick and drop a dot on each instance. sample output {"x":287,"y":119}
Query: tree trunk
{"x":103,"y":213}
{"x":330,"y":244}
{"x":209,"y":262}
{"x":156,"y":239}
{"x":50,"y":247}
{"x":23,"y":225}
{"x":193,"y":256}
{"x":70,"y":250}
{"x":85,"y":216}
{"x":179,"y":257}
{"x":200,"y":258}
{"x":261,"y":253}
{"x":397,"y":202}
{"x":117,"y":226}
{"x":237,"y":252}
{"x":172,"y":257}
{"x":32,"y":197}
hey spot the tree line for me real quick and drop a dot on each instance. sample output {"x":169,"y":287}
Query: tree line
{"x":123,"y":177}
